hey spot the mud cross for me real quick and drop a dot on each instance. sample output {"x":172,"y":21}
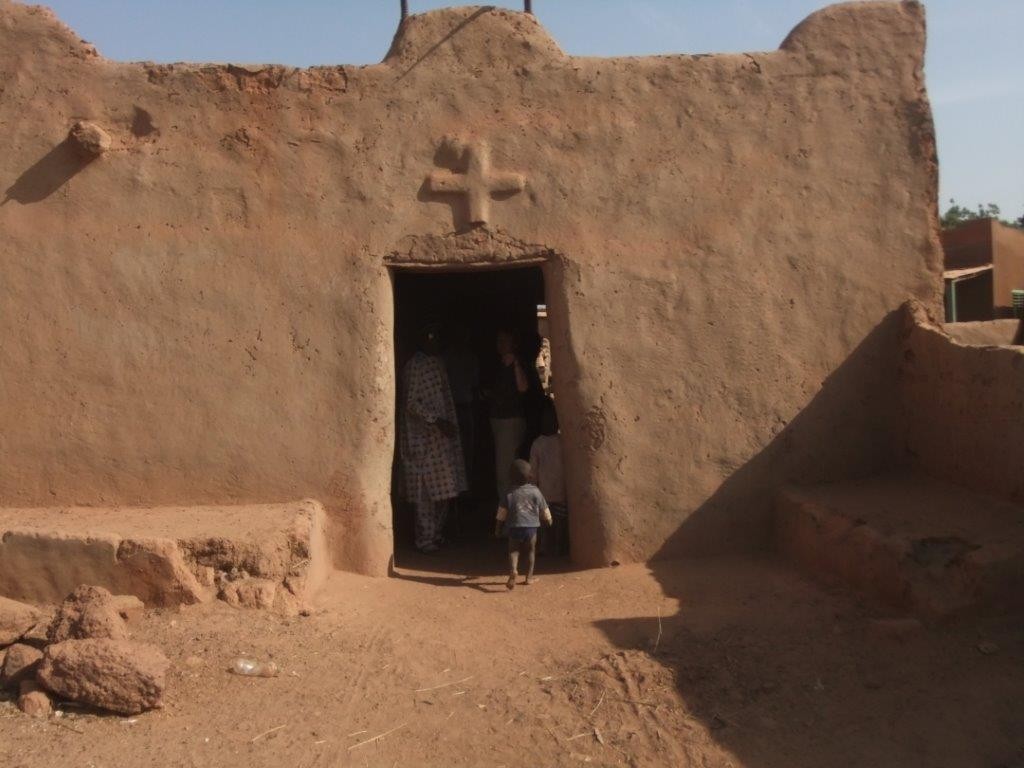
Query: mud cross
{"x":477,"y":183}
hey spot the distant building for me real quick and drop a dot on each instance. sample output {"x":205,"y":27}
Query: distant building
{"x":984,"y":266}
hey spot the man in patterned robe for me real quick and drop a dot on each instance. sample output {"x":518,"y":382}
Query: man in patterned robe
{"x":432,"y":462}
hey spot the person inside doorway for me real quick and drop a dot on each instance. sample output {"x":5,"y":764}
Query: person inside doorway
{"x":506,"y":404}
{"x":463,"y":369}
{"x":546,"y":469}
{"x":431,"y":453}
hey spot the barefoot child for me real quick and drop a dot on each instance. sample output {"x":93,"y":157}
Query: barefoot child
{"x":519,"y":517}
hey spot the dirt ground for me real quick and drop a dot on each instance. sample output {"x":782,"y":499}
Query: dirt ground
{"x":698,"y":663}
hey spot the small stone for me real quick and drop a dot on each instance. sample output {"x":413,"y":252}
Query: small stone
{"x":988,"y":648}
{"x":33,"y":701}
{"x":159,"y":573}
{"x":89,"y":139}
{"x":249,"y":593}
{"x":129,"y":607}
{"x":20,"y":664}
{"x":193,"y":662}
{"x":15,"y":620}
{"x":116,"y":675}
{"x":88,"y":612}
{"x":296,"y":585}
{"x":206,"y":575}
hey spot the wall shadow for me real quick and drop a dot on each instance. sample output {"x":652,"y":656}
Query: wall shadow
{"x":849,"y":429}
{"x":777,"y":671}
{"x":447,"y":36}
{"x":48,"y":174}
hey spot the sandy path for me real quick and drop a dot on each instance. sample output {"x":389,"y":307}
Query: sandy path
{"x":754,"y":667}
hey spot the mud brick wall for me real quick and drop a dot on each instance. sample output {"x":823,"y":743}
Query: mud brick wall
{"x":964,"y":409}
{"x":202,"y":313}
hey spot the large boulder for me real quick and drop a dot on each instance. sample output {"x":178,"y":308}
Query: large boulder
{"x":19,"y":664}
{"x":15,"y":620}
{"x":115,"y":675}
{"x":88,"y":613}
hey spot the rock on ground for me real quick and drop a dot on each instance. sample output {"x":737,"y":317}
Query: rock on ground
{"x":129,"y":607}
{"x":249,"y":593}
{"x":20,"y":663}
{"x":33,"y":700}
{"x":15,"y":620}
{"x":38,"y":636}
{"x":115,"y":675}
{"x":89,"y":139}
{"x":158,"y":573}
{"x":88,"y":612}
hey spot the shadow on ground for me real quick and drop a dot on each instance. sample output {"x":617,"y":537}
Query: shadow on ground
{"x":48,"y":174}
{"x":773,"y":675}
{"x":477,"y":563}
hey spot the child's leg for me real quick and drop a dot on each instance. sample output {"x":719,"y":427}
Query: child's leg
{"x":513,"y":562}
{"x":531,"y":556}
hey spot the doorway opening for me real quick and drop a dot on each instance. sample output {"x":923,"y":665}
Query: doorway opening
{"x":467,"y":311}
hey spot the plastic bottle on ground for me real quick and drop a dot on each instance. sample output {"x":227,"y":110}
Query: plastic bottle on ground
{"x":252,"y":668}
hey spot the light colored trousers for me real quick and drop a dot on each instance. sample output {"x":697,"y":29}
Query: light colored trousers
{"x":508,"y":435}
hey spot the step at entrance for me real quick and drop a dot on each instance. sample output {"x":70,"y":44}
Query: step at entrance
{"x":261,"y":555}
{"x":918,"y":544}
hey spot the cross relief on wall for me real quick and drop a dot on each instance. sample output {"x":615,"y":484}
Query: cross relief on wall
{"x":478,"y":183}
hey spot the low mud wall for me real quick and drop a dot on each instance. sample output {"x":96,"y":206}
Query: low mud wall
{"x":987,"y":332}
{"x":963,"y":408}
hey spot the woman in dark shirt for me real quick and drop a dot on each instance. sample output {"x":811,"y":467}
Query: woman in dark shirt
{"x":507,"y":409}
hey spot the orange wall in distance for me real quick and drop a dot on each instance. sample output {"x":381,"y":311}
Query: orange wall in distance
{"x":1008,"y":263}
{"x":969,"y":245}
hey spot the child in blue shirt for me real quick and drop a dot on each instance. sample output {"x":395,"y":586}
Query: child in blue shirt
{"x":519,"y":517}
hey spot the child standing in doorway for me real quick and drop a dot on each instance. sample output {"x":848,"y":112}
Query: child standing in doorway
{"x":519,"y":517}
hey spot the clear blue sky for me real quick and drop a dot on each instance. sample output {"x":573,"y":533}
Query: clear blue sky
{"x":975,"y":71}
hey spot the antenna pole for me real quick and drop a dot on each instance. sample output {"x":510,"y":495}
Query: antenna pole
{"x":528,"y":6}
{"x":405,"y":9}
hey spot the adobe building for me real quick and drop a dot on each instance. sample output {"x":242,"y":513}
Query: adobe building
{"x":984,"y":269}
{"x":206,"y":267}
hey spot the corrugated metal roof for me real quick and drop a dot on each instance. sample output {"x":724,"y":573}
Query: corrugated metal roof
{"x":960,"y":274}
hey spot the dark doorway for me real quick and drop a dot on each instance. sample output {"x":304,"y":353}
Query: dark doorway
{"x":469,"y":309}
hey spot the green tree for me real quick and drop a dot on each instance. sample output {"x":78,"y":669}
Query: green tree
{"x":956,"y":215}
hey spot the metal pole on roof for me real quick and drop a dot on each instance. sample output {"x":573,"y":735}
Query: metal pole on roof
{"x":528,"y":6}
{"x":405,"y":9}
